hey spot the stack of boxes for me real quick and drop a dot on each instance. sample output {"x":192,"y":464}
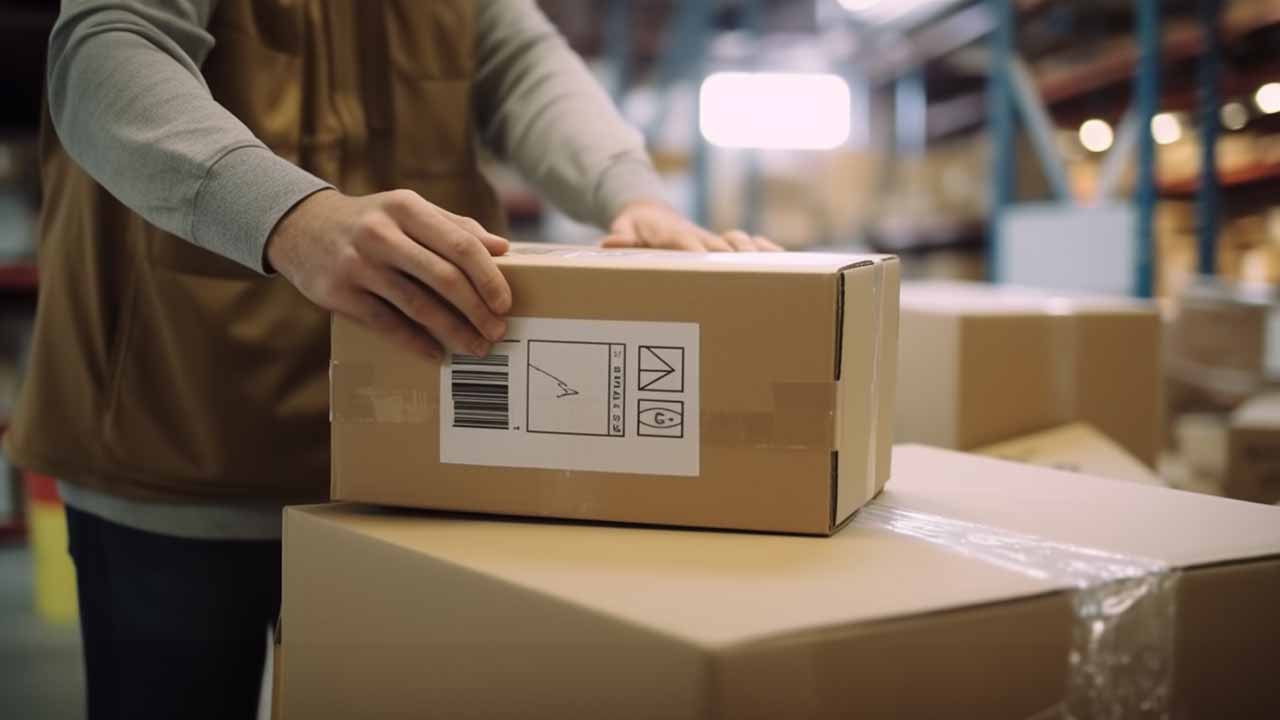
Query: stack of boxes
{"x":983,"y":365}
{"x":746,"y":393}
{"x":1220,"y":356}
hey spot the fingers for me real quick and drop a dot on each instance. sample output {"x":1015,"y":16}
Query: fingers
{"x":381,"y":317}
{"x":431,"y":228}
{"x":739,"y":241}
{"x":406,"y":273}
{"x":621,"y":241}
{"x":767,"y":245}
{"x":495,"y":244}
{"x":712,"y":242}
{"x":427,"y":311}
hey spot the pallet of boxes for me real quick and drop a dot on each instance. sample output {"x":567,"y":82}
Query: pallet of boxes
{"x":1220,"y":375}
{"x":671,"y":494}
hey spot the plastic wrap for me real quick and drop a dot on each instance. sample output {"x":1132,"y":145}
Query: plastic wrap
{"x":1122,"y":650}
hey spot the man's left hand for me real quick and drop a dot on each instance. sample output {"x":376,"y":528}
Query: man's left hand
{"x":655,"y":225}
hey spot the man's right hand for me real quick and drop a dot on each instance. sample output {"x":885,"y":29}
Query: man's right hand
{"x":413,"y":271}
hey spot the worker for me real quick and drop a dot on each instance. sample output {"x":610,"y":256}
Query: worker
{"x":219,"y":177}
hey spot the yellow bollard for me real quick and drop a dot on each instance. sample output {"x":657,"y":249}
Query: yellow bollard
{"x":55,"y":574}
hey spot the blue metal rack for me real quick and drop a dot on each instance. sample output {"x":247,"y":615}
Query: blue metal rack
{"x":1002,"y":123}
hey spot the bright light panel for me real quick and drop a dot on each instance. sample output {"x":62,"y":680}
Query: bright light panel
{"x":1165,"y":128}
{"x":784,"y":111}
{"x":1234,"y":115}
{"x":883,"y":11}
{"x":1096,"y":135}
{"x":1267,"y":98}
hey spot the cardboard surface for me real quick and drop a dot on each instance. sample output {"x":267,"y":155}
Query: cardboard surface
{"x":395,"y":613}
{"x":797,"y":381}
{"x":1077,"y":448}
{"x":981,"y":364}
{"x":1253,"y":451}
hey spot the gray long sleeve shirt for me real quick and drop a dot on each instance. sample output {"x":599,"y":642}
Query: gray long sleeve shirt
{"x":130,"y":106}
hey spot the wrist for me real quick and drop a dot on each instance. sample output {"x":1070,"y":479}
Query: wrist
{"x":294,"y":224}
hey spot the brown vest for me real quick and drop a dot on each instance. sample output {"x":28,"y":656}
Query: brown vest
{"x":163,"y":371}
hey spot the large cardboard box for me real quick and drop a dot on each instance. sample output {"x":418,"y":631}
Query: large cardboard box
{"x":1253,"y":451}
{"x":1077,"y":448}
{"x":981,"y":364}
{"x":749,"y":391}
{"x":951,"y":595}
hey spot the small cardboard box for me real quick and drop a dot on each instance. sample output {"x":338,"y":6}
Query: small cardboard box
{"x":749,"y":391}
{"x":1216,"y":349}
{"x":390,"y":613}
{"x":1077,"y":448}
{"x":1253,"y":451}
{"x":980,"y":364}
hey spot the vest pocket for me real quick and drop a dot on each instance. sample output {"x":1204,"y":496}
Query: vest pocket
{"x":431,"y":40}
{"x":431,"y":127}
{"x":222,"y":389}
{"x":269,"y":100}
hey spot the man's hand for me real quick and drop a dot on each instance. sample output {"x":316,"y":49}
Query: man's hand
{"x":413,"y":271}
{"x":655,"y":225}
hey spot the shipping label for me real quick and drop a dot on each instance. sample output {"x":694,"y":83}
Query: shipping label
{"x":604,"y":395}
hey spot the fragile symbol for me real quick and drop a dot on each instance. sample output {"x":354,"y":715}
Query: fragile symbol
{"x":660,"y":418}
{"x":564,"y":391}
{"x":661,"y":368}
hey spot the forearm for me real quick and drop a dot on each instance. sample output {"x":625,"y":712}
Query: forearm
{"x":541,"y":109}
{"x":130,"y":106}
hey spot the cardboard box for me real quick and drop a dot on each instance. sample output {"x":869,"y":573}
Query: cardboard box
{"x":1215,"y":349}
{"x":980,"y":364}
{"x":1077,"y":448}
{"x":748,"y":391}
{"x":1202,"y":443}
{"x":412,"y":614}
{"x":1219,"y":331}
{"x":1253,"y":455}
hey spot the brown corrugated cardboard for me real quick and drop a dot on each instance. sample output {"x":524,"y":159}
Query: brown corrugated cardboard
{"x":392,"y":613}
{"x":782,"y":366}
{"x":1077,"y":448}
{"x":1202,"y":443}
{"x":981,"y":364}
{"x":1253,"y":455}
{"x":1216,"y":349}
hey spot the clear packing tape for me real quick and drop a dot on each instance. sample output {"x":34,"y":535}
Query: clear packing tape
{"x":1122,"y":649}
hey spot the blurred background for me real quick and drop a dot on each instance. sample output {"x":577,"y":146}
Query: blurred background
{"x":1125,"y":147}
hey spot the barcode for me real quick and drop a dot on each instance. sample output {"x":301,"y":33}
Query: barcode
{"x":481,"y":390}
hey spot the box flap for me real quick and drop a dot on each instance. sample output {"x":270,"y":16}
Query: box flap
{"x":867,"y":362}
{"x":812,"y":263}
{"x":718,"y":589}
{"x":1259,"y":413}
{"x":1077,"y":447}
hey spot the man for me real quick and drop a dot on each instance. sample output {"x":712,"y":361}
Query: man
{"x":224,"y":175}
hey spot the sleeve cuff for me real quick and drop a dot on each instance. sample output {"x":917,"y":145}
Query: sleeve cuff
{"x":242,"y":197}
{"x":626,"y":181}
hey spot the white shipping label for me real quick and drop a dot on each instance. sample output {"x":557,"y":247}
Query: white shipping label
{"x":604,"y":395}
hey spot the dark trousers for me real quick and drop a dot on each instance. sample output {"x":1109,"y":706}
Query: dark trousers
{"x":172,"y":628}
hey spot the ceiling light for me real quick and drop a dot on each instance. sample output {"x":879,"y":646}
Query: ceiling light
{"x":1096,"y":135}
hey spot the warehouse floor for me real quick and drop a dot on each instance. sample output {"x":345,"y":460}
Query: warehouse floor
{"x":40,"y":673}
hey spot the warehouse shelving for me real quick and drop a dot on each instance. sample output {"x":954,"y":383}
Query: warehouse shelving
{"x":1252,"y":175}
{"x":18,"y":278}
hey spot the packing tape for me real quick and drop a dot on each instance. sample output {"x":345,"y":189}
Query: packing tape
{"x":803,"y":416}
{"x":356,"y":397}
{"x":1122,"y":648}
{"x":1064,"y":339}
